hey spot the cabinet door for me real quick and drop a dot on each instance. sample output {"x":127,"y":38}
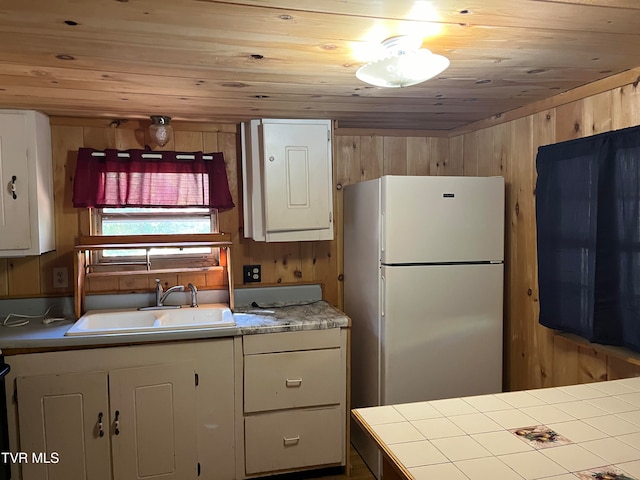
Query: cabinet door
{"x":153,"y":422}
{"x":297,"y":176}
{"x":60,"y":414}
{"x":15,"y":230}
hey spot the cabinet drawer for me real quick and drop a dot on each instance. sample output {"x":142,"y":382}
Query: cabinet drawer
{"x":288,"y":341}
{"x":292,"y":379}
{"x":286,"y":440}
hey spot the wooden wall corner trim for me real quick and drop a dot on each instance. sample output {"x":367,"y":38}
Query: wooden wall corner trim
{"x":631,"y":76}
{"x":389,"y":132}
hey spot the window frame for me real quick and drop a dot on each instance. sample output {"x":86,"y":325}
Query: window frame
{"x":160,"y":260}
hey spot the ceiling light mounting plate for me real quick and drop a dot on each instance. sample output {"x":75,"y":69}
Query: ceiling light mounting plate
{"x":401,"y":45}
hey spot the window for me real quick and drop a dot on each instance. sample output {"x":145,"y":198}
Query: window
{"x":154,"y":221}
{"x":136,"y":178}
{"x":137,"y":192}
{"x":588,"y":237}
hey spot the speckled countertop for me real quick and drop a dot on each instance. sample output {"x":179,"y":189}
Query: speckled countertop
{"x":282,"y":317}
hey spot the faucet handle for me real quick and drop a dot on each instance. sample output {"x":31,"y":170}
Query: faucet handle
{"x":194,"y":295}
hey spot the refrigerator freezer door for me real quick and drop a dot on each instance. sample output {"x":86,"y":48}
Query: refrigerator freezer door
{"x":441,"y":332}
{"x":442,"y":219}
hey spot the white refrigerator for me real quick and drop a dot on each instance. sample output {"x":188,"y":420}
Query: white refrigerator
{"x":423,"y":286}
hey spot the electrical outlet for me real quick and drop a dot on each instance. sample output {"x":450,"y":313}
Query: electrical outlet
{"x":60,"y":277}
{"x":252,"y":273}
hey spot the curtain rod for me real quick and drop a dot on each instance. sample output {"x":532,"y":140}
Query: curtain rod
{"x":156,"y":155}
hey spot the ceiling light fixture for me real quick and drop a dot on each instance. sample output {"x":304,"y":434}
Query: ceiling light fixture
{"x":160,"y":129}
{"x":404,"y":64}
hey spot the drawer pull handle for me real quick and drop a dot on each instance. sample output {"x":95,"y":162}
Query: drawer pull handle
{"x":100,"y":425}
{"x":293,"y":382}
{"x":13,"y":187}
{"x":292,"y":440}
{"x":116,"y":423}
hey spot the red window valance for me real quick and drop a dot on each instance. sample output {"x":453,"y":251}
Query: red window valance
{"x":141,"y":178}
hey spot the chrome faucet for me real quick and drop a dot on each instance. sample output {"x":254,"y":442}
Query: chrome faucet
{"x":161,"y":296}
{"x":194,"y":295}
{"x":160,"y":301}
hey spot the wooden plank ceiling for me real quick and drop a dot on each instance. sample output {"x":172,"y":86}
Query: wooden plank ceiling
{"x":228,"y":61}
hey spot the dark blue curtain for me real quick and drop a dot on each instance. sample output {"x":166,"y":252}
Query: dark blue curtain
{"x":588,"y":234}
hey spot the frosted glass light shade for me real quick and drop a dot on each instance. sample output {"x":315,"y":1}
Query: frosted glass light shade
{"x":160,"y":129}
{"x":403,"y":66}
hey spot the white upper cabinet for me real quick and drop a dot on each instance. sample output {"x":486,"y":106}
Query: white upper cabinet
{"x":288,"y":184}
{"x":26,"y":198}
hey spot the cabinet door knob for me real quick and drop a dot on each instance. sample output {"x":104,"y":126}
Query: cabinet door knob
{"x":13,"y":187}
{"x":100,"y":426}
{"x":293,"y":382}
{"x":272,"y":158}
{"x":116,"y":423}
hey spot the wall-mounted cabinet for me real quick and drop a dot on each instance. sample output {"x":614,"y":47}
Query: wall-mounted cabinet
{"x":26,"y":198}
{"x":288,"y":183}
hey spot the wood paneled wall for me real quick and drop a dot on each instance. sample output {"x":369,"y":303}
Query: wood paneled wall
{"x":534,"y":356}
{"x":364,"y":157}
{"x":282,"y":263}
{"x":356,"y":158}
{"x":33,"y":276}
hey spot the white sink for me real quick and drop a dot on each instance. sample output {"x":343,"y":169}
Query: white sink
{"x":197,"y":318}
{"x":114,"y":321}
{"x":100,"y":322}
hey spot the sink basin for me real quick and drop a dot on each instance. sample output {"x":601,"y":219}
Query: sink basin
{"x":130,"y":321}
{"x":197,"y":318}
{"x":114,"y":321}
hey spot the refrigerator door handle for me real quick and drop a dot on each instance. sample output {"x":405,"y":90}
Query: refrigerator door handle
{"x":382,"y":295}
{"x":382,"y":238}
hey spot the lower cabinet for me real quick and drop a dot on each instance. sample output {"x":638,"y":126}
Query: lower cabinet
{"x":136,"y":423}
{"x":62,"y":416}
{"x":219,"y":409}
{"x":163,"y":411}
{"x":152,"y":413}
{"x":295,"y":403}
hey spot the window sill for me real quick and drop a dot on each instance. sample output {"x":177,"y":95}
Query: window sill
{"x":95,"y":242}
{"x":621,"y":353}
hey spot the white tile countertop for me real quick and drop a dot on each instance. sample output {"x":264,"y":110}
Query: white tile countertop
{"x":588,"y":431}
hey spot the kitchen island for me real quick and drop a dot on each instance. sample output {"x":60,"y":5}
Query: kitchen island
{"x":587,"y":431}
